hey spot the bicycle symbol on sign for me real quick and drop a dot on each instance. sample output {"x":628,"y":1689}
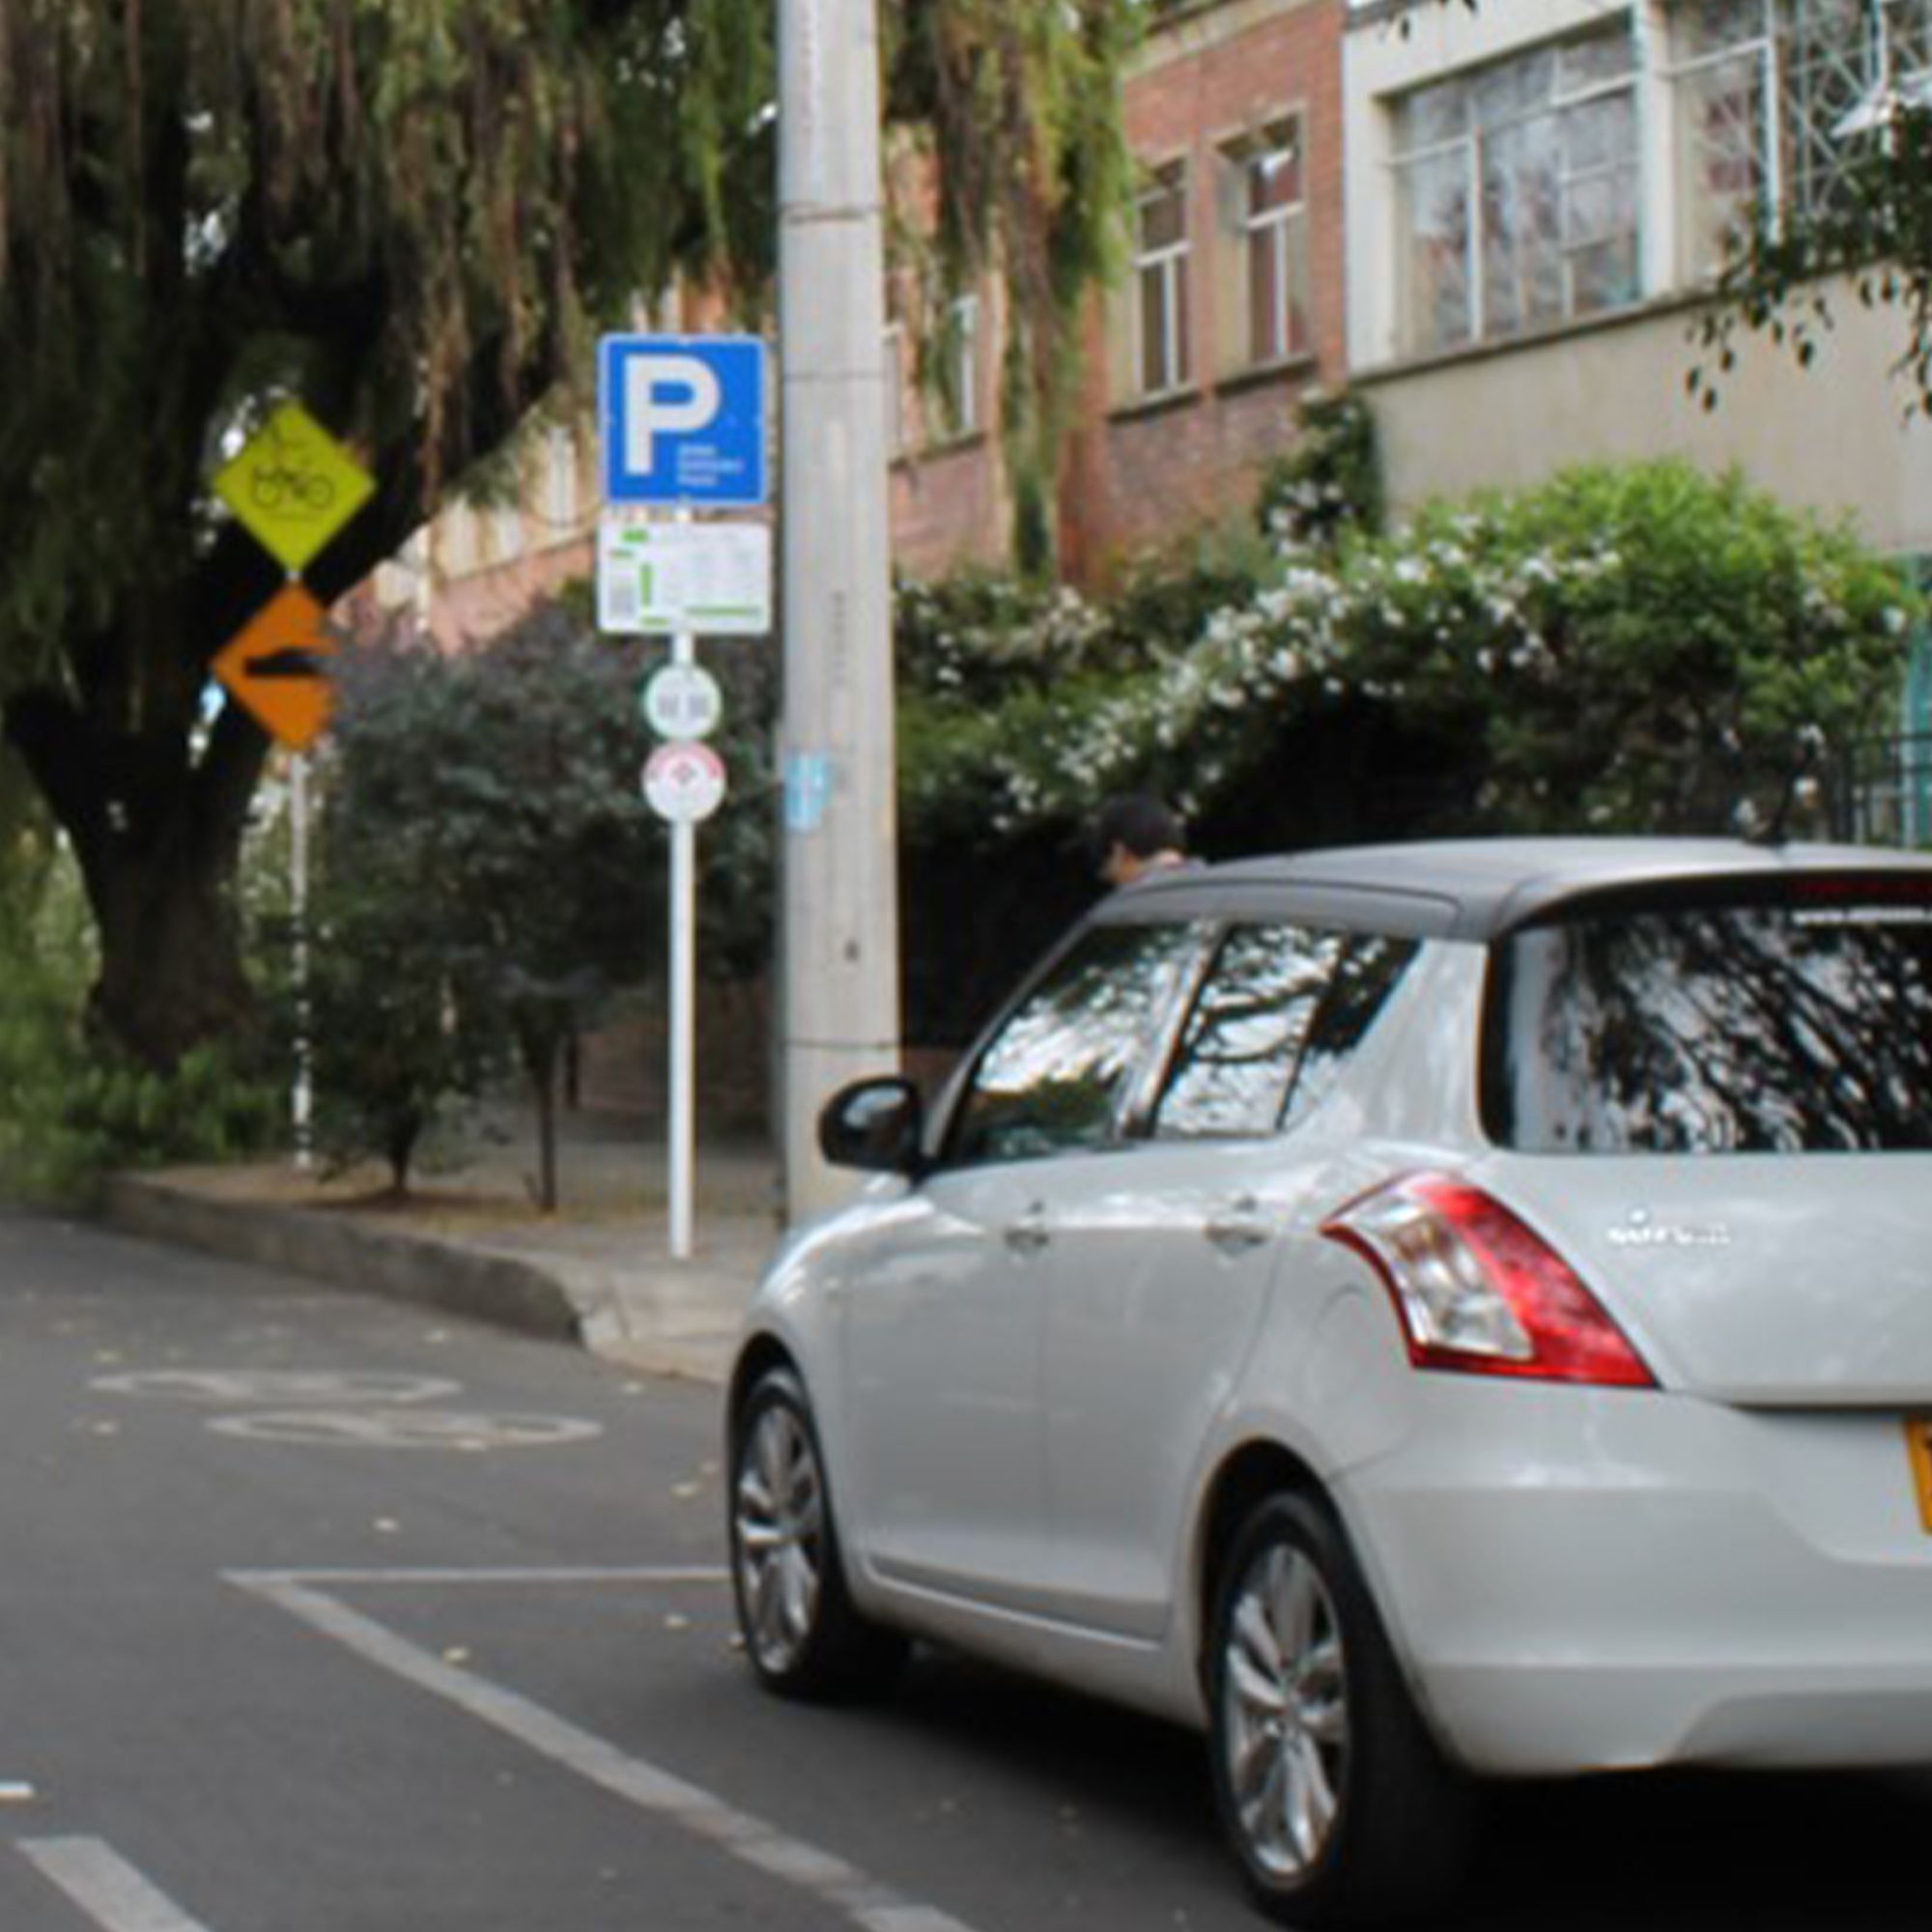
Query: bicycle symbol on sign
{"x":287,"y":482}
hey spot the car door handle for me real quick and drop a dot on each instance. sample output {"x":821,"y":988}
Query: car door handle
{"x":1238,"y":1225}
{"x":1028,"y":1235}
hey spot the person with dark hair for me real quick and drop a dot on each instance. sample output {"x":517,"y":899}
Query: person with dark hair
{"x":1135,"y":834}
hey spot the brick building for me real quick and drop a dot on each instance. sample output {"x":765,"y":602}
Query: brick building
{"x":1231,"y":304}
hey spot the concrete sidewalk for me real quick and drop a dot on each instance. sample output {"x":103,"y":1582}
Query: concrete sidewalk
{"x":470,"y":1240}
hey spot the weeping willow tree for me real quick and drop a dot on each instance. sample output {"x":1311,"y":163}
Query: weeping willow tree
{"x":410,"y":216}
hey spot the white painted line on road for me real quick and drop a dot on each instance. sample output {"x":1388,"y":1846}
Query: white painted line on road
{"x":259,"y":1388}
{"x":405,"y":1429}
{"x":831,"y":1879}
{"x":689,"y":1572}
{"x":98,"y":1880}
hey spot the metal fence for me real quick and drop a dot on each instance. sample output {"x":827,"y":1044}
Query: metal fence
{"x":1881,"y":793}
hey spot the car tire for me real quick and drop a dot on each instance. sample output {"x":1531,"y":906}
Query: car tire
{"x":801,"y":1632}
{"x":1332,"y":1793}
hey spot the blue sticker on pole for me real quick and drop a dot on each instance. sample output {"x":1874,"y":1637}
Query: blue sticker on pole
{"x":807,"y":791}
{"x":683,"y":420}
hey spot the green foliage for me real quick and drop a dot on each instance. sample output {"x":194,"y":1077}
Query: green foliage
{"x":411,"y":215}
{"x":72,"y":1110}
{"x":1633,"y":648}
{"x":484,"y":866}
{"x":981,"y":635}
{"x":489,"y":870}
{"x":393,"y":1015}
{"x":1330,"y":484}
{"x":1640,"y":648}
{"x":1875,"y":230}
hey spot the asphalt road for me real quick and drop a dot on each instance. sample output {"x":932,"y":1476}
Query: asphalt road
{"x":319,"y":1614}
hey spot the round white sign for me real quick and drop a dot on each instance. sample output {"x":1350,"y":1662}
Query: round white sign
{"x":682,"y":700}
{"x":684,"y":782}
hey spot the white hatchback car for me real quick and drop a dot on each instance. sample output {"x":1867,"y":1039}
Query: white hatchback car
{"x":1414,"y":1312}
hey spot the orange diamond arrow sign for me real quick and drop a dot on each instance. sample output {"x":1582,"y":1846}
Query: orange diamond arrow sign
{"x":277,"y":665}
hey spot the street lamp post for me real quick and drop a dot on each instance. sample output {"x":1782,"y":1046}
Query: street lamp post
{"x":840,"y":950}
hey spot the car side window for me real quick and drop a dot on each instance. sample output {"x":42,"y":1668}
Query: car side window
{"x":1278,"y":1015}
{"x":1368,"y":971}
{"x":1236,"y":1059}
{"x":1050,"y":1079}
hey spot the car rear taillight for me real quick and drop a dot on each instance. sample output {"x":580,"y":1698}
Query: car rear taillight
{"x":1477,"y":1290}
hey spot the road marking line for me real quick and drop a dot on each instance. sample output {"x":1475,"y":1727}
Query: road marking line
{"x":444,"y":1579}
{"x":106,"y":1887}
{"x":870,"y":1904}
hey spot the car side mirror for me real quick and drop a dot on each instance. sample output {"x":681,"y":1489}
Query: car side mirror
{"x":876,"y":1124}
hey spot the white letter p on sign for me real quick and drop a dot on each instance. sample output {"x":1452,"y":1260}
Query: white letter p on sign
{"x":668,"y":393}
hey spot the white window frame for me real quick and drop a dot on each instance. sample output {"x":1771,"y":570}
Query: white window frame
{"x":506,"y":533}
{"x":1793,"y":159}
{"x":1273,"y":237}
{"x":1162,"y":268}
{"x":959,"y":410}
{"x":893,"y":356}
{"x":1469,"y":145}
{"x":559,"y":503}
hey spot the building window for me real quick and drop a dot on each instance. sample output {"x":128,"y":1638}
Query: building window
{"x":959,"y":407}
{"x":1161,"y":358}
{"x":506,"y":525}
{"x":894,"y":356}
{"x":459,"y":543}
{"x":1273,"y":222}
{"x":1772,"y":98}
{"x":559,"y":500}
{"x":1518,"y":193}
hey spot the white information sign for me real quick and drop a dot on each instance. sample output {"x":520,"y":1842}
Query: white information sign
{"x":684,"y":782}
{"x":682,"y":700}
{"x":661,"y":580}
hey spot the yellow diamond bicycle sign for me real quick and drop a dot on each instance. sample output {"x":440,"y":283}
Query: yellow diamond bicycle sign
{"x":293,"y":485}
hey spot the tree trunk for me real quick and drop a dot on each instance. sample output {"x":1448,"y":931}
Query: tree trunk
{"x":171,"y":975}
{"x":157,"y":840}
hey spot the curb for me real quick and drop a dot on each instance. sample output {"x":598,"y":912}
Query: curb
{"x":502,"y":1289}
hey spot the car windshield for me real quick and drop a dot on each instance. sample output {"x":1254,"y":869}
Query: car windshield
{"x":1798,"y":1020}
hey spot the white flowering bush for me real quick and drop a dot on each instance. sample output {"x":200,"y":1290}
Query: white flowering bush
{"x":1638,"y":647}
{"x":1631,"y":647}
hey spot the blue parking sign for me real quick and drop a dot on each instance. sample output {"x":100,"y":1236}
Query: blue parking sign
{"x":683,"y":419}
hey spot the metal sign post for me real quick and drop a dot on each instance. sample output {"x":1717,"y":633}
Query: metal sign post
{"x":684,"y":782}
{"x":292,"y":486}
{"x":683,"y":1007}
{"x":683,"y":423}
{"x":302,"y":1102}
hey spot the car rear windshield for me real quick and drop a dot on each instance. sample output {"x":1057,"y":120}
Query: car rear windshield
{"x":1793,"y":1019}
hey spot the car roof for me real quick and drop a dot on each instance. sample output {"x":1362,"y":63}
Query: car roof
{"x":1474,"y":889}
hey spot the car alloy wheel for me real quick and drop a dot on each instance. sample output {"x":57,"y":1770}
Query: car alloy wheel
{"x":1331,"y":1789}
{"x":800,"y":1631}
{"x":1285,"y":1717}
{"x":781,"y":1537}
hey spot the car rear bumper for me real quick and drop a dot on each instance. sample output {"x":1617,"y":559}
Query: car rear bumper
{"x":1582,"y":1580}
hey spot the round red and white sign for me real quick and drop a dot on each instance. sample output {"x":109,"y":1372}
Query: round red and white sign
{"x":684,"y":782}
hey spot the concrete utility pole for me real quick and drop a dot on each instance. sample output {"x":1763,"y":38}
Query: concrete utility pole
{"x":840,"y":950}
